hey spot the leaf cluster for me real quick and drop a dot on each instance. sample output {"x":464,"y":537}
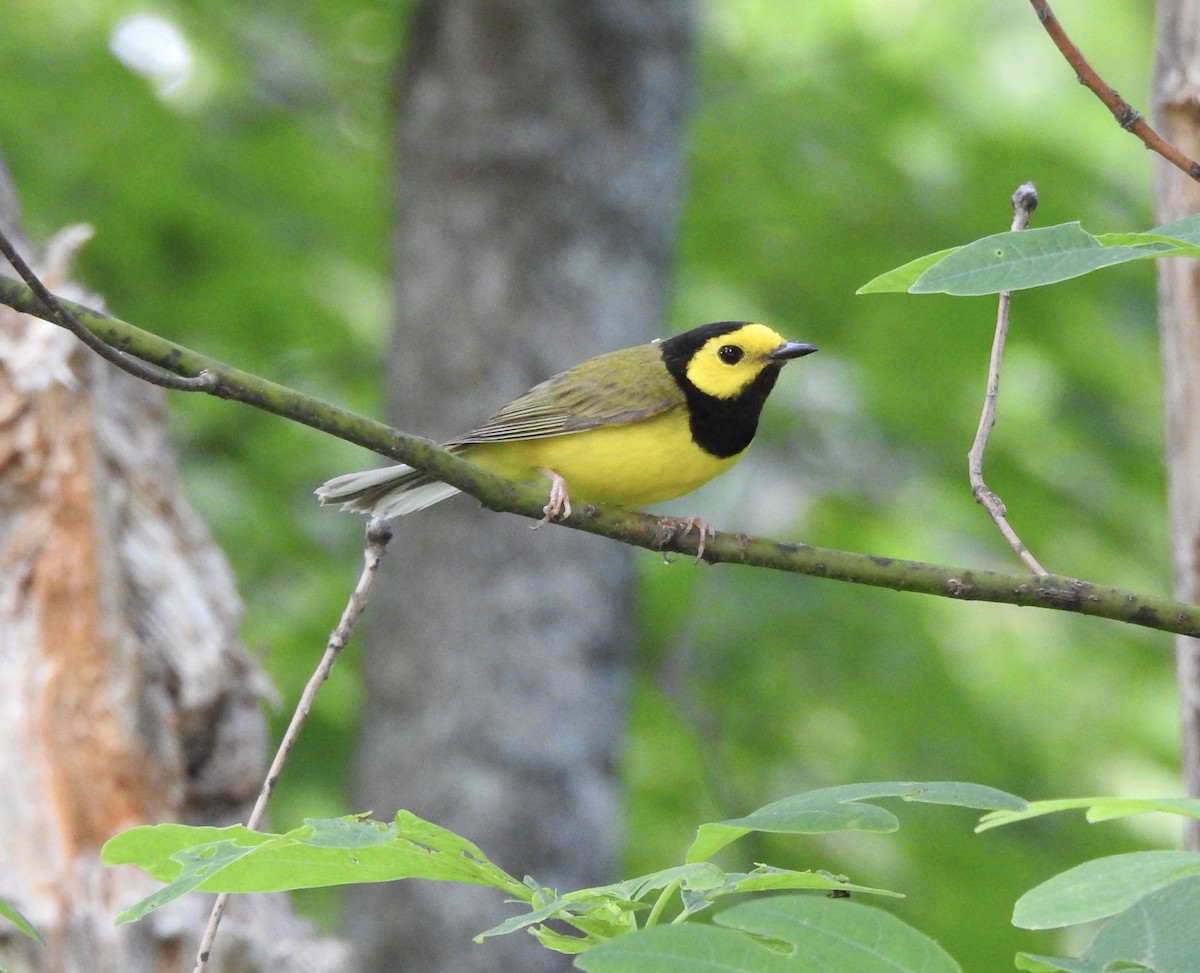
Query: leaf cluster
{"x":649,"y":923}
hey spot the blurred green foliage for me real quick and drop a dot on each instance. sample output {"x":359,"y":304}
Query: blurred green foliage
{"x":244,"y":211}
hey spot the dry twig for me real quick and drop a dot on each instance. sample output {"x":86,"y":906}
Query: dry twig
{"x":1024,"y":202}
{"x":1128,"y":117}
{"x":379,"y":533}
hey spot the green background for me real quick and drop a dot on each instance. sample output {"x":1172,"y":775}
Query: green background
{"x":245,"y":213}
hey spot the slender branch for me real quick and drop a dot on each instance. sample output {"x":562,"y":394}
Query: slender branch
{"x":631,"y":527}
{"x":1024,"y":202}
{"x":379,"y":533}
{"x":56,"y":312}
{"x":1128,"y":117}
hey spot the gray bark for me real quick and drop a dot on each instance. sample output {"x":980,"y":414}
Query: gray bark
{"x":1177,"y":118}
{"x":539,"y":179}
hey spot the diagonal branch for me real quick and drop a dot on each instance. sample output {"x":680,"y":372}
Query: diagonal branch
{"x":1128,"y":117}
{"x":629,"y":527}
{"x":56,"y":312}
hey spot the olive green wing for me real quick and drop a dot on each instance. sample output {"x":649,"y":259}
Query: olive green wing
{"x":613,"y":389}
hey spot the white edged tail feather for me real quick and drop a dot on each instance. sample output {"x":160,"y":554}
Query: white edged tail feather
{"x":391,"y":491}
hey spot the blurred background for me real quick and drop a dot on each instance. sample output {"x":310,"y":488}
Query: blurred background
{"x":237,"y":162}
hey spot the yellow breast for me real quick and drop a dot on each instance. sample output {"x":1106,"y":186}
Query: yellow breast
{"x":627,"y":465}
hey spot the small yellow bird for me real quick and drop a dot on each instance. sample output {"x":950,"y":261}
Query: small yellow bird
{"x":631,"y":427}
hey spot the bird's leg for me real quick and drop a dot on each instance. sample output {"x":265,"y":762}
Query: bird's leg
{"x":683,"y":526}
{"x":559,"y":503}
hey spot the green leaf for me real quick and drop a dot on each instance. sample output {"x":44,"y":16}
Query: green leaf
{"x":194,"y":866}
{"x":554,"y":909}
{"x":767,"y":878}
{"x":152,"y":846}
{"x":1175,"y":246}
{"x":781,"y":934}
{"x":1158,"y":932}
{"x":902,"y":278}
{"x":1098,"y":809}
{"x":698,"y":876}
{"x":609,"y":915}
{"x":1028,"y":258}
{"x":561,"y":942}
{"x":13,"y":915}
{"x":1018,"y":260}
{"x":607,"y":911}
{"x":338,"y":851}
{"x":682,"y":949}
{"x":1101,"y":888}
{"x":1186,"y":229}
{"x":839,"y":809}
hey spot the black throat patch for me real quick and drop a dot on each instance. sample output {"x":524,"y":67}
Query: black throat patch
{"x":721,"y":427}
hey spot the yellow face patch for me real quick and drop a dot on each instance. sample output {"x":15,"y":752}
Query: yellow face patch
{"x":725,"y":365}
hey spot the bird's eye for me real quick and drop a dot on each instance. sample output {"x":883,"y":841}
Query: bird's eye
{"x":730,"y":354}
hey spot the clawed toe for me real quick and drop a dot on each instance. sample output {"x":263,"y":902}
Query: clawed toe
{"x":682,"y":526}
{"x":559,"y":504}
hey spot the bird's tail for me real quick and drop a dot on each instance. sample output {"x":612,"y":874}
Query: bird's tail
{"x":392,"y":491}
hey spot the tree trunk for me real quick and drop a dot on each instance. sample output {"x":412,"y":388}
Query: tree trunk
{"x":539,"y":179}
{"x":126,"y":697}
{"x":1177,"y":118}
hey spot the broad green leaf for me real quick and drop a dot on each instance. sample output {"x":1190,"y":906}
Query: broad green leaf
{"x":902,"y":278}
{"x":781,"y":934}
{"x":339,"y":851}
{"x":194,"y":865}
{"x":13,"y":915}
{"x":845,"y":935}
{"x":689,"y":948}
{"x":839,"y":809}
{"x":1158,"y":932}
{"x":1029,"y":258}
{"x":1101,"y":888}
{"x":1186,"y":229}
{"x":1098,"y":809}
{"x":1033,"y":258}
{"x":152,"y":846}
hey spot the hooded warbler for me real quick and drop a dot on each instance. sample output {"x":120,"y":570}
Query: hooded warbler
{"x":631,"y":427}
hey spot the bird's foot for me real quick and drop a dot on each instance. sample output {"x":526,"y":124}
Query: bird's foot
{"x":559,"y":504}
{"x":672,"y":527}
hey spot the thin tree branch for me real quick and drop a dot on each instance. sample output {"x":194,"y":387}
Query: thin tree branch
{"x":378,"y":534}
{"x":629,"y":527}
{"x":1024,"y":202}
{"x":1128,"y":117}
{"x":55,"y":312}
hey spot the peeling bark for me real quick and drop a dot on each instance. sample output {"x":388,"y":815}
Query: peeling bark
{"x":127,"y":698}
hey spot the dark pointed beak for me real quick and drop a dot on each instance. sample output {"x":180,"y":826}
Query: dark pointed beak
{"x":792,"y":349}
